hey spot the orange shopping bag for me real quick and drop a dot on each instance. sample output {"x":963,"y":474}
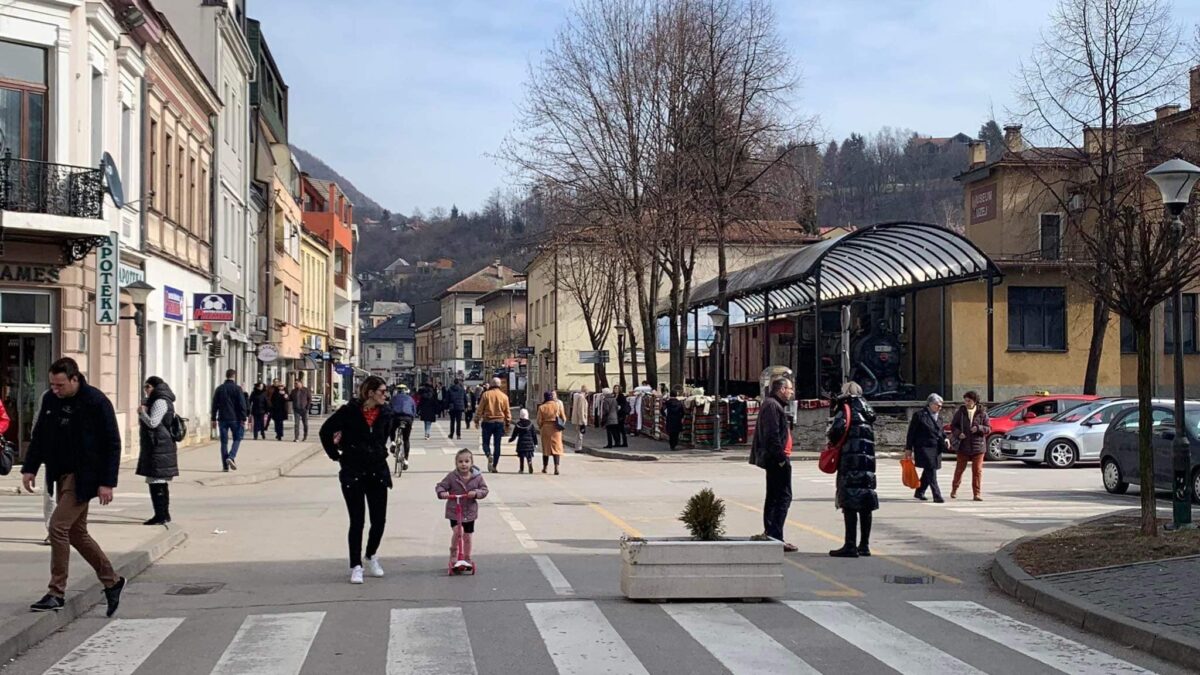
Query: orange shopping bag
{"x":908,"y":474}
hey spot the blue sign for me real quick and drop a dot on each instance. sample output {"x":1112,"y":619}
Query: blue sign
{"x":213,"y":307}
{"x":172,"y":304}
{"x":316,"y":355}
{"x":344,"y":369}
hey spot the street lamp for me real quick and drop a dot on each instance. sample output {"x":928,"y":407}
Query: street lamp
{"x":139,"y":291}
{"x":1175,"y":180}
{"x":719,"y":318}
{"x":621,"y":354}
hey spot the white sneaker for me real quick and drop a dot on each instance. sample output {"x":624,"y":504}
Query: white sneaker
{"x":404,"y":463}
{"x":373,"y":567}
{"x":356,"y":575}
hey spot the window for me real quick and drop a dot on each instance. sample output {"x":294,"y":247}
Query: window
{"x":202,"y":226}
{"x":23,"y":100}
{"x":127,"y":146}
{"x":1128,"y":337}
{"x":1189,"y":325}
{"x":468,"y":349}
{"x":168,"y":176}
{"x":182,"y":166}
{"x":154,"y":160}
{"x":467,"y":315}
{"x":1050,"y":226}
{"x":192,"y":216}
{"x":97,"y":116}
{"x":1037,"y":318}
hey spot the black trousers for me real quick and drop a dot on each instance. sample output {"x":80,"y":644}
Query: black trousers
{"x":373,"y":494}
{"x":852,"y":518}
{"x":673,"y":437}
{"x":403,"y":431}
{"x":778,"y":500}
{"x":929,"y":481}
{"x":621,"y":433}
{"x":614,"y":435}
{"x":456,"y":423}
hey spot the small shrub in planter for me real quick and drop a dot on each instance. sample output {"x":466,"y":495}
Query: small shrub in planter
{"x":704,"y":516}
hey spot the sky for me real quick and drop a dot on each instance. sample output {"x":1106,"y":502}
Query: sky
{"x":410,"y":99}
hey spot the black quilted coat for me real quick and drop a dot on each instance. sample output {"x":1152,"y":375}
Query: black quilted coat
{"x":856,"y":466}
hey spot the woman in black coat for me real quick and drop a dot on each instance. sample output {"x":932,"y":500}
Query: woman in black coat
{"x":623,"y":410}
{"x":158,"y":458}
{"x":925,"y":444}
{"x":259,"y":407}
{"x":362,"y":429}
{"x":673,"y":411}
{"x":428,"y":408}
{"x":856,"y":495}
{"x":279,"y":408}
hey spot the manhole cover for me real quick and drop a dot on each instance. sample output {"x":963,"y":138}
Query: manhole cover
{"x":195,"y":589}
{"x":575,"y":503}
{"x":906,"y":580}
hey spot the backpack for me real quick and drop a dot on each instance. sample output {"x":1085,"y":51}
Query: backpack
{"x":178,"y":428}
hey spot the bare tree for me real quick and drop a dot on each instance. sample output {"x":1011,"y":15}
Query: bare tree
{"x":1102,"y":68}
{"x":591,"y":285}
{"x":1102,"y":65}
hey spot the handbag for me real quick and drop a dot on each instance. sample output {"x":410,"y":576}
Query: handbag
{"x":559,"y":423}
{"x":7,"y":457}
{"x":908,"y":474}
{"x":828,"y":461}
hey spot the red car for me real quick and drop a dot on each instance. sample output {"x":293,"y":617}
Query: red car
{"x":1026,"y":410}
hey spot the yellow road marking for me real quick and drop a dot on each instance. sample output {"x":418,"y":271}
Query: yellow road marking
{"x":608,"y":515}
{"x":843,"y":591}
{"x":835,"y":538}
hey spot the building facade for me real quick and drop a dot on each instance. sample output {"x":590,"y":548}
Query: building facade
{"x":389,"y":350}
{"x":459,"y":342}
{"x":329,"y":215}
{"x":315,"y":320}
{"x":425,"y":364}
{"x":503,"y":327}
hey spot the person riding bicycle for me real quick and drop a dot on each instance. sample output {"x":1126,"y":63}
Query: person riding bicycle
{"x":405,"y":409}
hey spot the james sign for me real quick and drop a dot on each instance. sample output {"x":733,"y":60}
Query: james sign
{"x":983,"y":204}
{"x":214,"y":307}
{"x":107,"y":262}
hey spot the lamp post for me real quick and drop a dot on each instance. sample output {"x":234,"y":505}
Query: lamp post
{"x":719,"y":318}
{"x":139,"y":291}
{"x":621,"y":355}
{"x":1175,"y":180}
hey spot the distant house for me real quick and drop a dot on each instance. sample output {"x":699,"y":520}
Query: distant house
{"x":459,"y":343}
{"x":381,"y":311}
{"x":389,"y":350}
{"x":435,"y":266}
{"x":399,"y":269}
{"x":936,"y":145}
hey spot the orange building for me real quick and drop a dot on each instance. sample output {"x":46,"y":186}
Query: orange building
{"x":329,"y":214}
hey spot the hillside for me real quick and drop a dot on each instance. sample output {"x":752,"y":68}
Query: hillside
{"x":364,"y":206}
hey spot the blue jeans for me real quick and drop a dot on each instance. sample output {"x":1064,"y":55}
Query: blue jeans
{"x":492,"y":432}
{"x":238,"y":430}
{"x":428,"y":427}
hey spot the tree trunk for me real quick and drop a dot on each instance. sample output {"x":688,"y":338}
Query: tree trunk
{"x":677,"y":343}
{"x":1145,"y":441}
{"x":1096,"y":349}
{"x":600,"y":372}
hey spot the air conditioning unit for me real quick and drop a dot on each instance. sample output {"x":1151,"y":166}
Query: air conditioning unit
{"x":193,"y":343}
{"x":262,"y":323}
{"x":215,"y":349}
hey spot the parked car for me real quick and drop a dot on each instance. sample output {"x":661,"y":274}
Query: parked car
{"x":1119,"y":465}
{"x":1076,"y":435}
{"x":1026,"y":410}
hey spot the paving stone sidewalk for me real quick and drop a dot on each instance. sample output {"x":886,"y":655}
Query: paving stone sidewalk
{"x":1163,"y":593}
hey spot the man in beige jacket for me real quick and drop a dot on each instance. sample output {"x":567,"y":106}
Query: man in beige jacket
{"x":493,"y":415}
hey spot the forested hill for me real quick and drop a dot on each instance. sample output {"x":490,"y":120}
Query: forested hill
{"x":365,"y":208}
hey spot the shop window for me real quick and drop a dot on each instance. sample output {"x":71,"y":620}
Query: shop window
{"x":1189,"y":325}
{"x":27,"y":308}
{"x":1037,"y":318}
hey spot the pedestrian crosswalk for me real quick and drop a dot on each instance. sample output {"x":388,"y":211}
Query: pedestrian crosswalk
{"x":579,"y":637}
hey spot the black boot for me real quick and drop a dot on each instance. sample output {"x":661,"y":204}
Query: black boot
{"x":156,"y":499}
{"x":848,"y":550}
{"x":166,"y":502}
{"x":864,"y":548}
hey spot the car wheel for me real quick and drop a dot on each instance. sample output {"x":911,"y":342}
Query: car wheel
{"x":1113,"y":481}
{"x":1196,"y":486}
{"x":1062,"y":454}
{"x":993,"y":447}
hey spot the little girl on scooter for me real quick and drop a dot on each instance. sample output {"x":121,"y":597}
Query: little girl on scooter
{"x":469,"y":487}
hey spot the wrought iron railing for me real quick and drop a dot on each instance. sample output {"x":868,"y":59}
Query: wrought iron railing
{"x":31,"y":186}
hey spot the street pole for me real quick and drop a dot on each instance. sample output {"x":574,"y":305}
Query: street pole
{"x":717,"y":390}
{"x":1180,"y":453}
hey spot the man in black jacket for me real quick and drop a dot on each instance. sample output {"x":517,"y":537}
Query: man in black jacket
{"x":76,"y":436}
{"x":229,"y":410}
{"x":456,"y":402}
{"x":772,"y":450}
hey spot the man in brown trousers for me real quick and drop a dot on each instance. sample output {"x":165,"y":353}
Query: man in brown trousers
{"x":76,"y":436}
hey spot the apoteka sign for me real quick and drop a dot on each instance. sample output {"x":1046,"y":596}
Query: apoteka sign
{"x":214,"y":307}
{"x":267,"y":353}
{"x":107,"y":263}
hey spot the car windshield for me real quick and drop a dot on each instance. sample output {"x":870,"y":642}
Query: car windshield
{"x":1192,"y":416}
{"x":1005,"y":409}
{"x":1080,"y":413}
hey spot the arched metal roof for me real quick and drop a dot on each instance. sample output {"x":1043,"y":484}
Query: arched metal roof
{"x":887,"y":257}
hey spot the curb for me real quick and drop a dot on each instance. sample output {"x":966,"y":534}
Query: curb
{"x":28,"y":630}
{"x":1015,"y":581}
{"x":263,"y":475}
{"x":608,"y":454}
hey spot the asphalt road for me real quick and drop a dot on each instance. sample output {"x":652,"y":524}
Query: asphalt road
{"x":546,"y":596}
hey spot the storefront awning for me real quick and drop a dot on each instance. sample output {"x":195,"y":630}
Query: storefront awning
{"x":891,"y":257}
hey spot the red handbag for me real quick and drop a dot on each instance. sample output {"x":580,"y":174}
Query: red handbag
{"x":828,"y":461}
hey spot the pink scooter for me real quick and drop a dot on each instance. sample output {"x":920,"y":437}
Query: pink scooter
{"x":462,"y":565}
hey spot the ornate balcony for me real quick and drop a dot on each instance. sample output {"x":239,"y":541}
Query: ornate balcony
{"x":30,"y":186}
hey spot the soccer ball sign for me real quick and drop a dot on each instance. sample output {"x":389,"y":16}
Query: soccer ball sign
{"x":212,"y":307}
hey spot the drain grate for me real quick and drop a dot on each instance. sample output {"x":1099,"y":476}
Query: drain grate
{"x":195,"y":589}
{"x":906,"y":580}
{"x":580,"y":503}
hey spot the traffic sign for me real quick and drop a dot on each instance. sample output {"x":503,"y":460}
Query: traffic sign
{"x":600,"y":356}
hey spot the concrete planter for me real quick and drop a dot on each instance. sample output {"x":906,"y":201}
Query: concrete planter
{"x":669,"y":568}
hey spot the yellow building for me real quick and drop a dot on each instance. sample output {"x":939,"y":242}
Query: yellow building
{"x":316,"y":299}
{"x":1043,"y":317}
{"x":503,"y":326}
{"x":555,"y":323}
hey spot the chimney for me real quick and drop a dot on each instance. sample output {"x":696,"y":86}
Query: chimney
{"x":1165,"y":111}
{"x":978,"y":153}
{"x":1012,"y":138}
{"x":499,"y":268}
{"x":1091,"y":141}
{"x":1194,"y":87}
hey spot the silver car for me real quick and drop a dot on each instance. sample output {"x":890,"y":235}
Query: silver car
{"x":1076,"y":435}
